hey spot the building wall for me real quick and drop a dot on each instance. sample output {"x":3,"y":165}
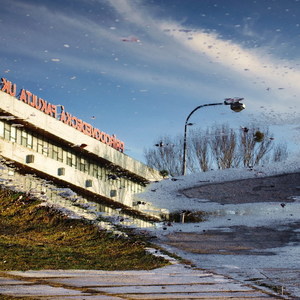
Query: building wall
{"x":40,"y":120}
{"x":38,"y":141}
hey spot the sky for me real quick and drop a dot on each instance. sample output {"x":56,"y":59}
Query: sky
{"x":137,"y":68}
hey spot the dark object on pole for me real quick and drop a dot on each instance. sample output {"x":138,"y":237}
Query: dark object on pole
{"x":259,"y":136}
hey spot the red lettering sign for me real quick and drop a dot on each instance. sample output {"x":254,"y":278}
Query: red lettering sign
{"x":43,"y":107}
{"x":74,"y":122}
{"x":23,"y":96}
{"x":79,"y":125}
{"x":8,"y":87}
{"x":39,"y":103}
{"x":34,"y":101}
{"x":96,"y":134}
{"x":28,"y":97}
{"x":51,"y":110}
{"x":87,"y":129}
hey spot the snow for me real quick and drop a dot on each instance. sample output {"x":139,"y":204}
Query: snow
{"x":165,"y":194}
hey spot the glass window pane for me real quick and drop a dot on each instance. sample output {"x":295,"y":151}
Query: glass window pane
{"x":13,"y":134}
{"x":29,"y":140}
{"x":1,"y":129}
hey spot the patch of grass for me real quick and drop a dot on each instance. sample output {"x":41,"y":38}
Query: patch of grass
{"x":33,"y":237}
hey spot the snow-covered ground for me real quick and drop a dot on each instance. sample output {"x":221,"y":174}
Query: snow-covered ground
{"x":164,"y":194}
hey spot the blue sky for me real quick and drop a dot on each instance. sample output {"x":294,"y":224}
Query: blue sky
{"x":137,"y":68}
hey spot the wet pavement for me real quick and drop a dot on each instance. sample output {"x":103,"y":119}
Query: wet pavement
{"x":176,"y":281}
{"x":252,"y":232}
{"x":280,"y":188}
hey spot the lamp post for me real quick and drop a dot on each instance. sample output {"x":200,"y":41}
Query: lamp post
{"x":235,"y":105}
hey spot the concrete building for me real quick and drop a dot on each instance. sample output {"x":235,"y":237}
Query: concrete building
{"x":41,"y":138}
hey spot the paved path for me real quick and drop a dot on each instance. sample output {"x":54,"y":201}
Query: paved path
{"x":252,"y":233}
{"x":176,"y":281}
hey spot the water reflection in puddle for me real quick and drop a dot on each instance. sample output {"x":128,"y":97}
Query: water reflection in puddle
{"x":108,"y":217}
{"x":71,"y":203}
{"x":260,"y":209}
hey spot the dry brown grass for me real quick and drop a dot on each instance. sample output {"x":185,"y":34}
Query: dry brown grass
{"x":38,"y":237}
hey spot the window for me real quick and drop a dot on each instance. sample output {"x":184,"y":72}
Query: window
{"x":19,"y":136}
{"x":54,"y":152}
{"x":24,"y":138}
{"x":34,"y":143}
{"x":46,"y":148}
{"x":71,"y":159}
{"x":83,"y":165}
{"x":59,"y":154}
{"x":29,"y":140}
{"x":93,"y":170}
{"x":40,"y":146}
{"x":13,"y":134}
{"x":1,"y":129}
{"x":7,"y":131}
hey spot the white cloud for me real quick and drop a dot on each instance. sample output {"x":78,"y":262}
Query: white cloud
{"x":195,"y":62}
{"x":248,"y":66}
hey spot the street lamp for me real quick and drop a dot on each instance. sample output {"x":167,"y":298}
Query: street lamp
{"x":235,"y":105}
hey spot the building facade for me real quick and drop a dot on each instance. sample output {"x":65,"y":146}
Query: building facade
{"x":44,"y":139}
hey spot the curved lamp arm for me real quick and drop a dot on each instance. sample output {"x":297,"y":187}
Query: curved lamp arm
{"x":235,"y":105}
{"x":185,"y":130}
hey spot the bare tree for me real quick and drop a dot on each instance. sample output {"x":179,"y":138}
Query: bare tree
{"x":223,"y":146}
{"x":165,"y":155}
{"x":219,"y":146}
{"x":254,"y":145}
{"x":200,"y":157}
{"x":247,"y":145}
{"x":280,"y":152}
